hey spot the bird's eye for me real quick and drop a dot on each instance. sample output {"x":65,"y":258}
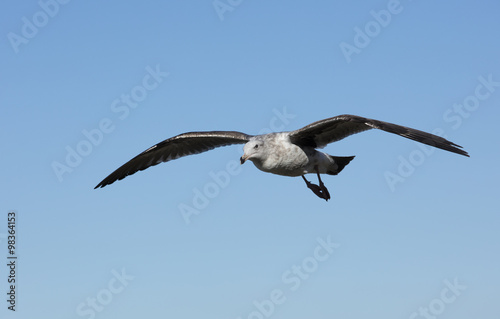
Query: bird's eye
{"x":256,"y":146}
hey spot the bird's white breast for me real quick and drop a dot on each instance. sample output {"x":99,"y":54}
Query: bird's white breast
{"x":283,"y":157}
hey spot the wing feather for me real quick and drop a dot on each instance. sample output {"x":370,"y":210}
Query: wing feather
{"x":178,"y":146}
{"x":321,"y":133}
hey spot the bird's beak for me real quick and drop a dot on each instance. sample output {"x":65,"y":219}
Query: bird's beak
{"x":243,"y":159}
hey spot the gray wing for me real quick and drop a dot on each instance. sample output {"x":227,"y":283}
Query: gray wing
{"x":321,"y":133}
{"x":173,"y":148}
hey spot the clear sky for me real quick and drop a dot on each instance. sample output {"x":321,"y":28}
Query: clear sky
{"x":410,"y":232}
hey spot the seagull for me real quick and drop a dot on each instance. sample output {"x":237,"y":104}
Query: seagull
{"x":284,"y":153}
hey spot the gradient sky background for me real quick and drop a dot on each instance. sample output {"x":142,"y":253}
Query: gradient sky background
{"x":398,"y":247}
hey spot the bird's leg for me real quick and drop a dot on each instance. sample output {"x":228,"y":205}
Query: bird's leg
{"x":318,"y":190}
{"x":315,"y":188}
{"x":325,"y":192}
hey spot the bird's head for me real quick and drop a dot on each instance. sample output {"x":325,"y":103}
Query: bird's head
{"x":253,"y":150}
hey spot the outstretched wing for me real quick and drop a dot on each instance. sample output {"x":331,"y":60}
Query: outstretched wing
{"x":173,"y":148}
{"x":321,"y":133}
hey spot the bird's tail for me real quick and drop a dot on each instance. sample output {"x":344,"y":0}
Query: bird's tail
{"x":341,"y":162}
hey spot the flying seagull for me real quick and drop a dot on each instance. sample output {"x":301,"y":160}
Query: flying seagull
{"x":286,"y":153}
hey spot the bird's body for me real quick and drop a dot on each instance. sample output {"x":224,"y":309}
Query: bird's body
{"x":285,"y":153}
{"x":288,"y":159}
{"x":284,"y":157}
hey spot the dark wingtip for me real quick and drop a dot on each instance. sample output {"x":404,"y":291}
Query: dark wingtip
{"x":101,"y":184}
{"x":459,"y":149}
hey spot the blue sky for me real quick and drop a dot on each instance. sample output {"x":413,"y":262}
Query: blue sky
{"x":409,"y":232}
